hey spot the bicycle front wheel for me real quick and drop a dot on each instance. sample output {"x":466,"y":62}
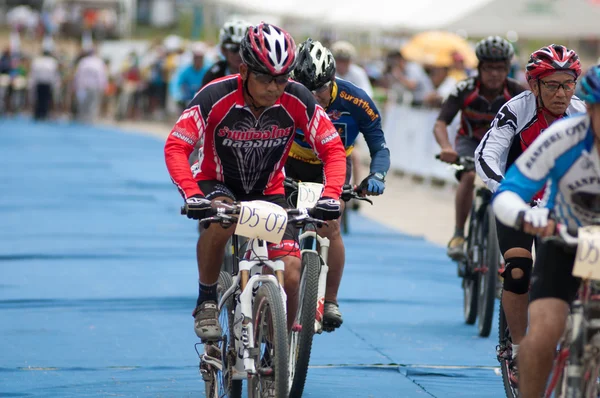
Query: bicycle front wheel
{"x":469,"y":282}
{"x":487,"y":275}
{"x":505,"y":354}
{"x":219,"y":384}
{"x":301,"y":336}
{"x":270,"y":339}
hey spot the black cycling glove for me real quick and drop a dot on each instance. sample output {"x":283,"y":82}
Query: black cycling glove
{"x":326,"y":209}
{"x":197,"y":207}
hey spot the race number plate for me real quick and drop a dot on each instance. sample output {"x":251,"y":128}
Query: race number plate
{"x":587,"y":260}
{"x":308,"y":194}
{"x":261,"y":220}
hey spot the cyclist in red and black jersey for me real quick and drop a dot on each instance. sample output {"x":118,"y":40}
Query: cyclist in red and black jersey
{"x":247,"y":122}
{"x":479,"y":99}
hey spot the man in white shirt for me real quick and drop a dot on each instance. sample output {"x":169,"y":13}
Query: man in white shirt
{"x":44,"y":80}
{"x":344,"y":53}
{"x":90,"y":82}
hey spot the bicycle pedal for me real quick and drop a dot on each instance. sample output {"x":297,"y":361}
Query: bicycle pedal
{"x":212,"y":351}
{"x":331,"y":326}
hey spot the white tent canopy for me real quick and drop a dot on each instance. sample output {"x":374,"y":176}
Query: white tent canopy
{"x":373,"y":15}
{"x":566,"y":19}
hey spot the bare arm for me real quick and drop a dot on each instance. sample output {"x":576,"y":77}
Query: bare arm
{"x":440,"y":131}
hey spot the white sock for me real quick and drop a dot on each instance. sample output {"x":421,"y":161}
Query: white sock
{"x":515,"y":350}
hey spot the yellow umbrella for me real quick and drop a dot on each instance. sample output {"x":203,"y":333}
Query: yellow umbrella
{"x":436,"y":48}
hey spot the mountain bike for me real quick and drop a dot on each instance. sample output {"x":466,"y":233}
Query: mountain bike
{"x":576,"y":369}
{"x":313,"y":278}
{"x":252,"y":305}
{"x":481,"y":260}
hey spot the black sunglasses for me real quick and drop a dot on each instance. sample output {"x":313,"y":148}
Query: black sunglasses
{"x":553,"y":86}
{"x":265,"y":78}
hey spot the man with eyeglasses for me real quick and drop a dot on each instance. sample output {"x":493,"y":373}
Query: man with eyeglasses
{"x":552,"y":74}
{"x":352,"y":111}
{"x":248,"y":122}
{"x":478,"y":99}
{"x":566,"y":159}
{"x":230,"y":37}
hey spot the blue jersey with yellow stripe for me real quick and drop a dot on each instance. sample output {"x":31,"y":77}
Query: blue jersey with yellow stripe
{"x":351,"y":111}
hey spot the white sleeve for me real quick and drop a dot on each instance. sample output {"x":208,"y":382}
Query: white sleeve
{"x":507,"y":206}
{"x":491,"y":154}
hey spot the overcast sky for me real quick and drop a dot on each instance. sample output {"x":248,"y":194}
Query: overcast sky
{"x":418,"y":14}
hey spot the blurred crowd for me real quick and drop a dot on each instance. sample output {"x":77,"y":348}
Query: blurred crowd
{"x":64,"y":20}
{"x":156,"y":82}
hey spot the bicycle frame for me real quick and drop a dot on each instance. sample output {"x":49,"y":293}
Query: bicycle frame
{"x":579,"y":355}
{"x":249,"y":275}
{"x":323,"y":252}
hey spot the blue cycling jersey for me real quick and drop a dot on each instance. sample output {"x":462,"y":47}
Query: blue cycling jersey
{"x":565,"y":158}
{"x":351,"y":111}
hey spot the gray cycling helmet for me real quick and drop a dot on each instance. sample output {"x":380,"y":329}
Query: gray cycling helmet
{"x":233,"y":32}
{"x":494,"y":49}
{"x":315,"y":65}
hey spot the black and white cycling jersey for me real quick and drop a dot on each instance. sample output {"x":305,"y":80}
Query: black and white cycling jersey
{"x":515,"y":127}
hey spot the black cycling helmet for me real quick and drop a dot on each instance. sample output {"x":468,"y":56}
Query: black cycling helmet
{"x":494,"y":49}
{"x":315,"y":65}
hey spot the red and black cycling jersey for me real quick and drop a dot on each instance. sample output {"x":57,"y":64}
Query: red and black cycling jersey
{"x":245,"y":152}
{"x":477,"y":112}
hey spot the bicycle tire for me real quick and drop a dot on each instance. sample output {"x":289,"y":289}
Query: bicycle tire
{"x":301,"y":341}
{"x":268,"y":311}
{"x":487,"y":279}
{"x":505,"y":344}
{"x":220,"y":384}
{"x":469,"y":282}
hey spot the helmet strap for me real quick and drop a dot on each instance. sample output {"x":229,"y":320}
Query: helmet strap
{"x":251,"y":103}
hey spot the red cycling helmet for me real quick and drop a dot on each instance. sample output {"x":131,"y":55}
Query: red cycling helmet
{"x":551,"y":59}
{"x":268,"y":49}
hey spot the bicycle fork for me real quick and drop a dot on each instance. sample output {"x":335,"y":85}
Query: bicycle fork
{"x":574,"y":367}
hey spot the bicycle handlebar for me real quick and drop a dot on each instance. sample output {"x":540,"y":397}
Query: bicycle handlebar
{"x":349,"y":192}
{"x":466,"y":163}
{"x":226,"y":214}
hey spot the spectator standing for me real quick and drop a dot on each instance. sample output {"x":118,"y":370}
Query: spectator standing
{"x":91,"y":79}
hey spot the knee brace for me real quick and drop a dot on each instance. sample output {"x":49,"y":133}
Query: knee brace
{"x":520,"y":285}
